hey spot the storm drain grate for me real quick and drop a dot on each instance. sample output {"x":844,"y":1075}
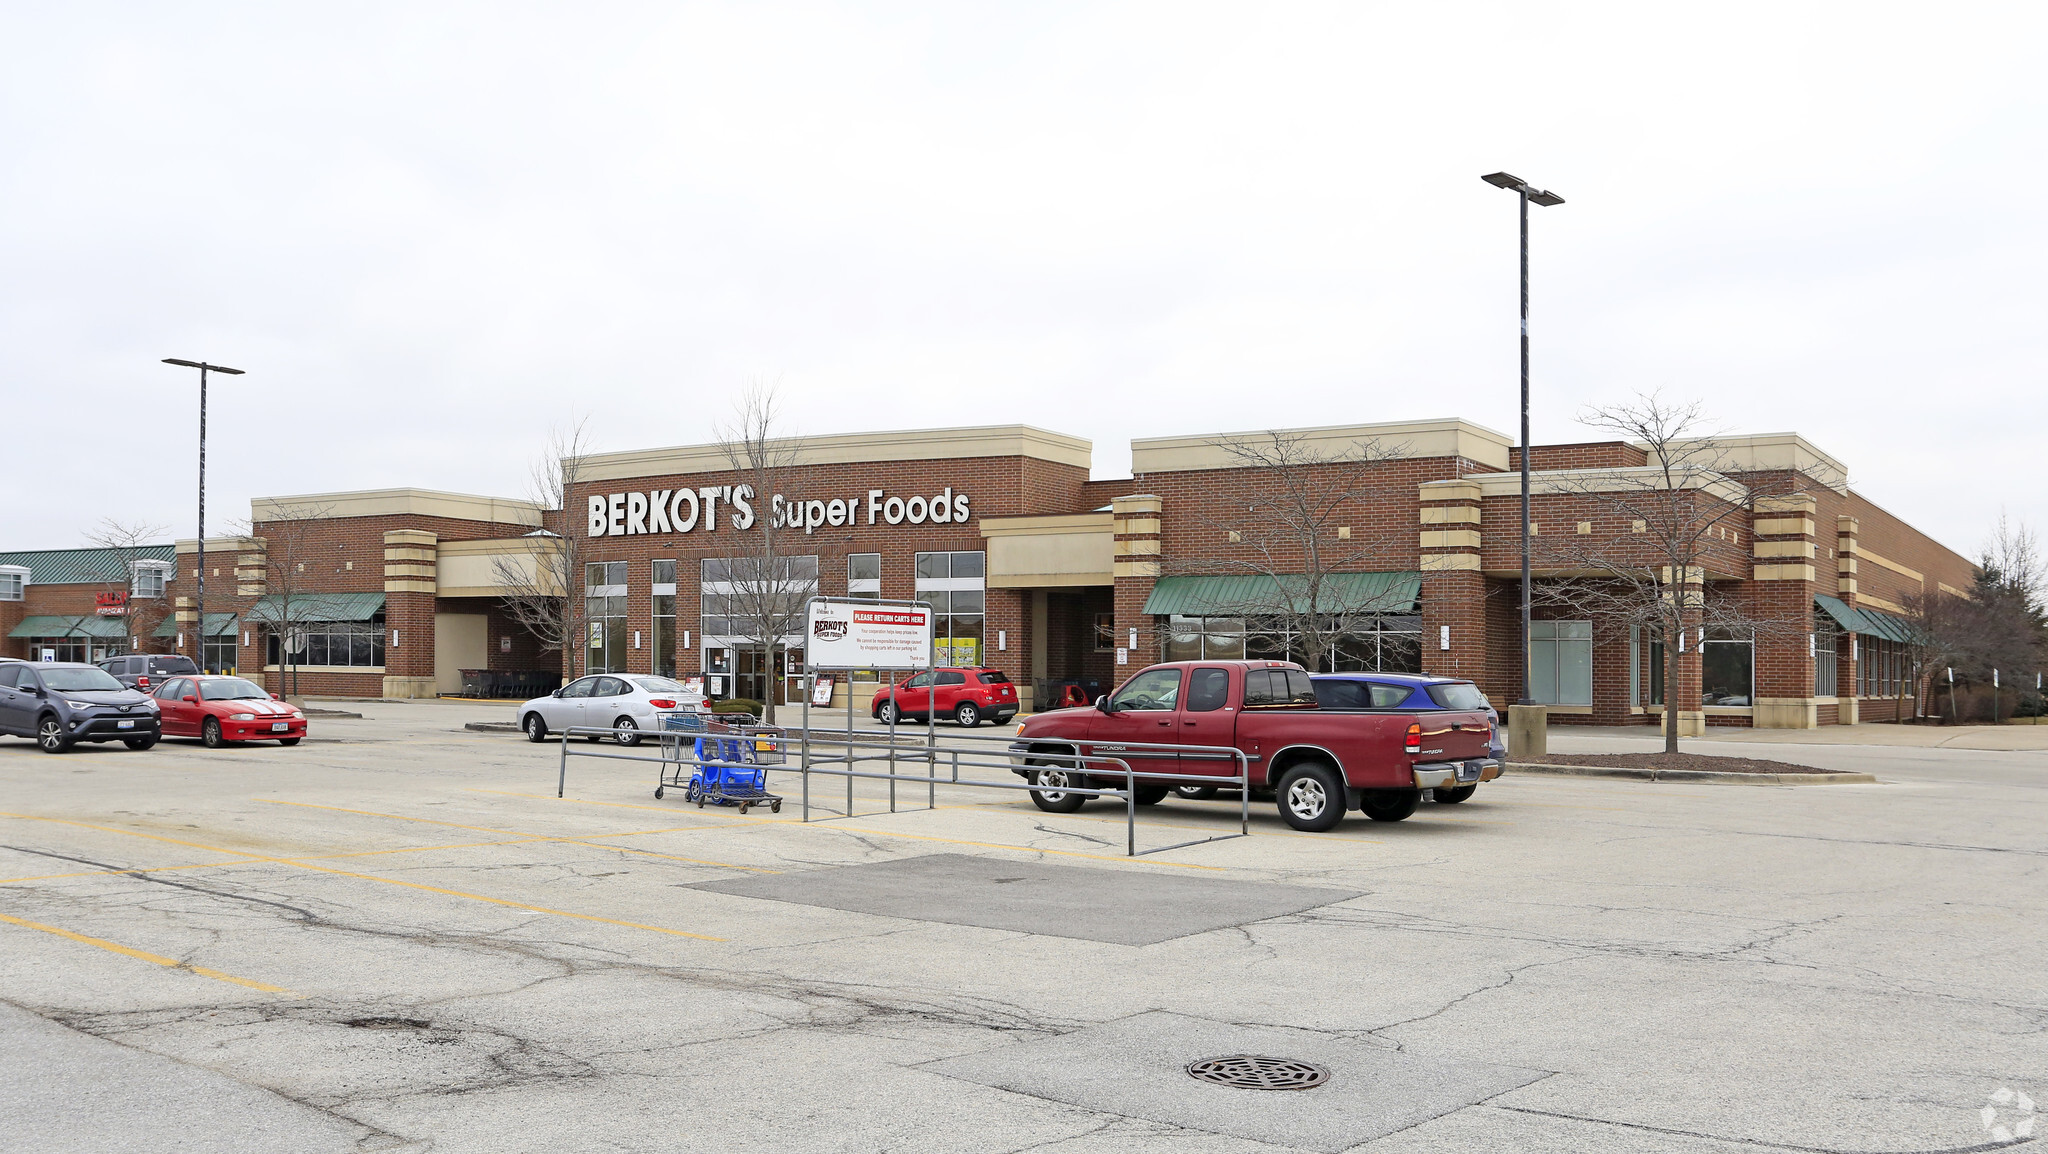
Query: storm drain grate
{"x":1254,"y":1072}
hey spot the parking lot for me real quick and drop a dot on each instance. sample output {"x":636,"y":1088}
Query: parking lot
{"x":395,"y":937}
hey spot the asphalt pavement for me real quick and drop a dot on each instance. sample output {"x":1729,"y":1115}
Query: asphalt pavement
{"x":395,"y":937}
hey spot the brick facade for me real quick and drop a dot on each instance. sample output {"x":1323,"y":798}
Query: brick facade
{"x":1449,"y":516}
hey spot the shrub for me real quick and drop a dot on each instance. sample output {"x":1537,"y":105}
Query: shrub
{"x":2030,"y":705}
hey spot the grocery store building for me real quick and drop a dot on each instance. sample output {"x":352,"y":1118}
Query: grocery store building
{"x":1056,"y":579}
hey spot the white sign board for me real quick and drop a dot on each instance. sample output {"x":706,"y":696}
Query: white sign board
{"x":852,"y":635}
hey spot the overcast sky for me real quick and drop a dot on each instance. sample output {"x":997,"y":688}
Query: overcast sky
{"x":430,"y":231}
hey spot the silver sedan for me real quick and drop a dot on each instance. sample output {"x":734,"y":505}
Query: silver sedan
{"x":625,"y":703}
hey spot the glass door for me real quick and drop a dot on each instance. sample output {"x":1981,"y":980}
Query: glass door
{"x":793,"y":676}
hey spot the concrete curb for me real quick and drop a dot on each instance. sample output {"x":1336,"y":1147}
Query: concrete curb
{"x":1694,"y":776}
{"x":491,"y":726}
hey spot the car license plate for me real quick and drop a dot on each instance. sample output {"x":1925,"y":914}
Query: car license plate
{"x":129,"y":724}
{"x":280,"y":726}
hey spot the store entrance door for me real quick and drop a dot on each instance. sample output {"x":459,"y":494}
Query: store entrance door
{"x":792,"y":676}
{"x":752,"y":679}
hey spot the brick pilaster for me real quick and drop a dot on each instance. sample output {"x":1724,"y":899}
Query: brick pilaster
{"x":409,"y":569}
{"x":1453,"y":590}
{"x":1137,"y":520}
{"x":1785,"y":554}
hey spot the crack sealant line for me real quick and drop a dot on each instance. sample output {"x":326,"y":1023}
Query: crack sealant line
{"x":890,"y":833}
{"x":143,"y":955}
{"x":261,"y":861}
{"x":254,"y":859}
{"x":564,"y":840}
{"x":529,"y":907}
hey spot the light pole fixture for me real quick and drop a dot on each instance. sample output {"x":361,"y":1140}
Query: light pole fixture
{"x":1545,"y":198}
{"x":199,"y":597}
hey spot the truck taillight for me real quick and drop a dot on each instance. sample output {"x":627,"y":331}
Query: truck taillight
{"x":1414,"y":741}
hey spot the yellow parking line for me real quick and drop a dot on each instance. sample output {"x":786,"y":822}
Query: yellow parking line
{"x":141,"y":955}
{"x":543,"y":837}
{"x":130,"y":833}
{"x":256,"y":859}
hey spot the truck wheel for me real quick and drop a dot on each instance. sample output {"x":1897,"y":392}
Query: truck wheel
{"x":1054,"y":798}
{"x":1453,"y":795}
{"x":1149,"y":793}
{"x":1389,"y":804}
{"x":1311,"y":798}
{"x":1195,"y":792}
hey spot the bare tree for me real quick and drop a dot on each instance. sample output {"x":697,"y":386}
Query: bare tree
{"x":766,"y":585}
{"x":1304,"y":539}
{"x":2001,"y":628}
{"x":1641,"y":552}
{"x":541,"y":583}
{"x":129,"y":587}
{"x":276,"y":562}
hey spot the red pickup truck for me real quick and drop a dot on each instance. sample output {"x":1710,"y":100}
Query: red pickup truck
{"x":1317,"y":763}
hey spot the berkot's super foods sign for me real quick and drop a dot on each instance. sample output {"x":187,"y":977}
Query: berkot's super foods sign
{"x":687,"y":510}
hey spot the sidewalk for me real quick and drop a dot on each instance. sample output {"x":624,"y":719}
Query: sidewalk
{"x":1993,"y":737}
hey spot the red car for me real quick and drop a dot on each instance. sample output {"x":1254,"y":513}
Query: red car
{"x":968,"y":696}
{"x":217,"y":710}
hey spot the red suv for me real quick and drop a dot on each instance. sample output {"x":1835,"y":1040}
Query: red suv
{"x":968,"y":695}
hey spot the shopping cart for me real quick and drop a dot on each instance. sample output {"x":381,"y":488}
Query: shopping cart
{"x":713,"y":761}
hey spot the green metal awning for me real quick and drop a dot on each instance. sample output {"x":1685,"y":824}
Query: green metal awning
{"x":217,"y":625}
{"x":318,"y":607}
{"x":1253,"y":593}
{"x":1869,"y":622}
{"x":1849,"y":619}
{"x":98,"y":628}
{"x":1888,"y":626}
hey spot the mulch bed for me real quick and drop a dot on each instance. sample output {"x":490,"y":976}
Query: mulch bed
{"x":1680,"y":761}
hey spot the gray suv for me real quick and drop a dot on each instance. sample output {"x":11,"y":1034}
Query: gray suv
{"x":146,"y":671}
{"x":62,"y":703}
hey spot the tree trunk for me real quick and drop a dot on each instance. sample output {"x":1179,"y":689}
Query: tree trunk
{"x":1671,"y":690}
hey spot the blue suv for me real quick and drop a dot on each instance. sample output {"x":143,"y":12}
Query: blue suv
{"x":62,"y":703}
{"x":1410,"y":693}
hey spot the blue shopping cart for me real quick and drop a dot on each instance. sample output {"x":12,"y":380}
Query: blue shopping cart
{"x":711,"y":761}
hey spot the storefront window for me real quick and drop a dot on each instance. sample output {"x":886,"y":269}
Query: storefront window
{"x":1105,"y":632}
{"x":1385,"y":644}
{"x":605,"y":611}
{"x":955,"y":586}
{"x":1727,"y":669}
{"x":864,"y":575}
{"x":1561,"y":662}
{"x":1824,"y":683}
{"x":1884,"y":668}
{"x":148,"y":579}
{"x":663,"y":636}
{"x":350,"y":644}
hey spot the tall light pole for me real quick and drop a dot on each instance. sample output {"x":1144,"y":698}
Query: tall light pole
{"x":1521,"y":187}
{"x":199,"y":617}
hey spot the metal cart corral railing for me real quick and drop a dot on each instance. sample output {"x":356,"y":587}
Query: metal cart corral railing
{"x":854,"y":757}
{"x":837,"y":754}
